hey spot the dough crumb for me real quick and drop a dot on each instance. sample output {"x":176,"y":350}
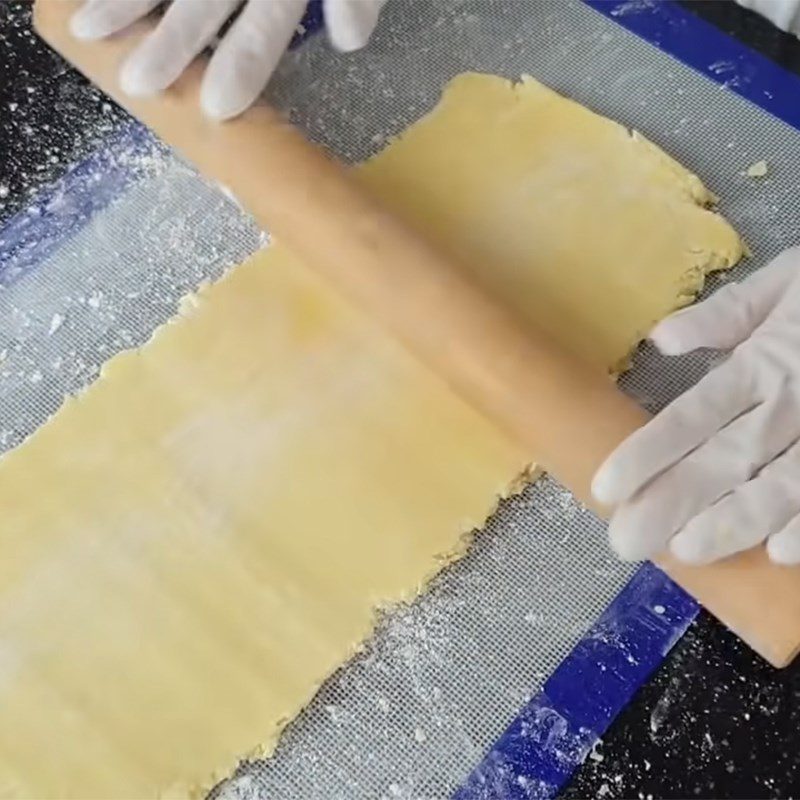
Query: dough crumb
{"x":187,"y":304}
{"x":757,"y":170}
{"x":420,"y":736}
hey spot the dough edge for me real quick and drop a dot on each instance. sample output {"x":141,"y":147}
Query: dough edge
{"x":690,"y":286}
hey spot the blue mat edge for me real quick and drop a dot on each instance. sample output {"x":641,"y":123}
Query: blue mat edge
{"x":61,"y":209}
{"x":712,"y":52}
{"x":556,"y":730}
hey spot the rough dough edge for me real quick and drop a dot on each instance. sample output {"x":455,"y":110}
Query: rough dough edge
{"x":440,"y":563}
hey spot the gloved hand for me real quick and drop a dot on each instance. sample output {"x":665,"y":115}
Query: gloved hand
{"x":245,"y":58}
{"x":783,"y":13}
{"x":718,"y":471}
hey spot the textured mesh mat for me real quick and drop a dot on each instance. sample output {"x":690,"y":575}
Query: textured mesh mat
{"x":410,"y":716}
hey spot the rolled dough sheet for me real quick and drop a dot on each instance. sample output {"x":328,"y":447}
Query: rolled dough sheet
{"x":193,"y":544}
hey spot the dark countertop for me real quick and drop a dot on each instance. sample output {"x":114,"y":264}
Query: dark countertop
{"x":50,"y":116}
{"x":715,"y":720}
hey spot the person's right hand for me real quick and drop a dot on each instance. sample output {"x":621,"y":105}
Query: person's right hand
{"x":245,"y":58}
{"x":783,"y":13}
{"x":718,"y":471}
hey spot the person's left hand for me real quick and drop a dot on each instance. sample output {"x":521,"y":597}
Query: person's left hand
{"x":246,"y":56}
{"x":718,"y":471}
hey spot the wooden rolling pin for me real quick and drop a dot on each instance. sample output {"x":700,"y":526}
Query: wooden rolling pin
{"x":569,"y":416}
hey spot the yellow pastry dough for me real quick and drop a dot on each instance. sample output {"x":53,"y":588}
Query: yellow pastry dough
{"x":192,"y":545}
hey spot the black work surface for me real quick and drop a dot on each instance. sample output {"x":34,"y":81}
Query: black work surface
{"x":715,"y":720}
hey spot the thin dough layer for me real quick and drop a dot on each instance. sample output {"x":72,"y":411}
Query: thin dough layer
{"x":192,"y":545}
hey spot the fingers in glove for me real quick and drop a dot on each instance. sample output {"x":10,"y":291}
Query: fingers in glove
{"x":731,"y":314}
{"x":184,"y":32}
{"x":783,"y":547}
{"x":779,"y":12}
{"x":247,"y":56}
{"x":721,"y":396}
{"x":350,"y":23}
{"x":642,"y":527}
{"x":97,"y":19}
{"x":745,"y":517}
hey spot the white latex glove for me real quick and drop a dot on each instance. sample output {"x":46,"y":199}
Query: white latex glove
{"x":245,"y":58}
{"x":718,"y":471}
{"x":783,"y":13}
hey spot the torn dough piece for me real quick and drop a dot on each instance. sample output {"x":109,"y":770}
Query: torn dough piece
{"x":225,"y":508}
